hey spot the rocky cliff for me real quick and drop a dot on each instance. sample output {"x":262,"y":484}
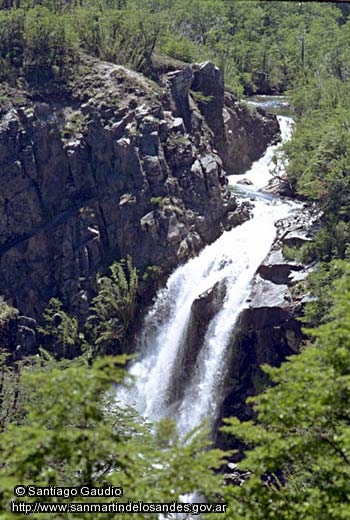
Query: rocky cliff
{"x":112,"y":164}
{"x":268,"y":329}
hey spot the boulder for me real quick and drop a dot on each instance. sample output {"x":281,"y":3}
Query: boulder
{"x":245,"y":182}
{"x":203,"y":309}
{"x":279,"y":186}
{"x":180,"y":82}
{"x":278,"y":270}
{"x":208,"y":83}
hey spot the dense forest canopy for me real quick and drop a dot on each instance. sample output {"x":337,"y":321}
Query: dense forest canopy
{"x":262,"y":46}
{"x":59,"y":424}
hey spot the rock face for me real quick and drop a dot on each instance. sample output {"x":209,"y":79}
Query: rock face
{"x":280,"y":186}
{"x":268,"y":329}
{"x":243,"y":144}
{"x":240,"y":134}
{"x":203,"y":309}
{"x":115,"y":165}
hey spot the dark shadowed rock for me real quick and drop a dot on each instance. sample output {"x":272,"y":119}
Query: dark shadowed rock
{"x":117,"y":165}
{"x":279,"y":186}
{"x":19,"y":336}
{"x":180,"y":82}
{"x":277,"y":269}
{"x":203,"y":310}
{"x":208,"y":83}
{"x":241,"y":135}
{"x":246,"y":135}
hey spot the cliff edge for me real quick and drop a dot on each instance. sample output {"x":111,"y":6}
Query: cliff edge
{"x":113,"y":164}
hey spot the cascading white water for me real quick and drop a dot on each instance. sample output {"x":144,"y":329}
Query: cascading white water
{"x":233,"y":260}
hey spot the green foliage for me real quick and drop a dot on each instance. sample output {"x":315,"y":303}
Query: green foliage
{"x":14,"y":390}
{"x":9,"y":391}
{"x":108,"y":326}
{"x":113,"y":309}
{"x":152,"y":273}
{"x":318,"y":162}
{"x":61,"y":443}
{"x":7,"y":312}
{"x":159,"y":201}
{"x":124,"y":36}
{"x":321,"y":284}
{"x":199,"y":97}
{"x":49,"y":44}
{"x":75,"y":124}
{"x":300,"y":460}
{"x":76,"y":435}
{"x":59,"y":331}
{"x":179,"y":48}
{"x":261,"y":46}
{"x":12,"y":42}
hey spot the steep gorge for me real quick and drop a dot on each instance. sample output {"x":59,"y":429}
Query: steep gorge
{"x":224,"y":314}
{"x":115,"y":165}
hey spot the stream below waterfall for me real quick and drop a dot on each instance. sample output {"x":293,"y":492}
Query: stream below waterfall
{"x":170,"y":381}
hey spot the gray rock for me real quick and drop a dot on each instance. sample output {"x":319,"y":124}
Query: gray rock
{"x":278,"y":270}
{"x":279,"y":186}
{"x":149,"y":223}
{"x":184,"y":250}
{"x":245,"y":182}
{"x":174,"y":235}
{"x":84,"y":182}
{"x":180,"y":82}
{"x":296,"y":238}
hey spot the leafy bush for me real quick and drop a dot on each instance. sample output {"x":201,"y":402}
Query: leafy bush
{"x":298,"y":455}
{"x":179,"y":48}
{"x":59,"y":331}
{"x":113,"y":309}
{"x":6,"y":311}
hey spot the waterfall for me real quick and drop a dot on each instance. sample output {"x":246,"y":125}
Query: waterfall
{"x":187,"y":386}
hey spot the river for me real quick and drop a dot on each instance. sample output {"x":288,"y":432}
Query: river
{"x":165,"y":386}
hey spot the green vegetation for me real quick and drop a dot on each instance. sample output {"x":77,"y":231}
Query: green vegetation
{"x":59,"y":331}
{"x":6,"y":311}
{"x":300,"y":460}
{"x":297,"y":449}
{"x":73,"y":433}
{"x":75,"y":124}
{"x":59,"y":421}
{"x":9,"y":392}
{"x":113,"y":309}
{"x":110,"y":317}
{"x":61,"y":424}
{"x":152,"y":273}
{"x":159,"y":201}
{"x":319,"y":161}
{"x":262,"y":46}
{"x":199,"y":97}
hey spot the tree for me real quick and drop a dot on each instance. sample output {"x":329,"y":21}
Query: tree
{"x":75,"y":435}
{"x":12,"y":42}
{"x":113,"y":309}
{"x":299,"y":454}
{"x":318,"y":160}
{"x":60,"y":331}
{"x":49,"y":43}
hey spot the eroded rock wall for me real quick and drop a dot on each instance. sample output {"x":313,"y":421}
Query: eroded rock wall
{"x":268,"y":329}
{"x":114,"y":165}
